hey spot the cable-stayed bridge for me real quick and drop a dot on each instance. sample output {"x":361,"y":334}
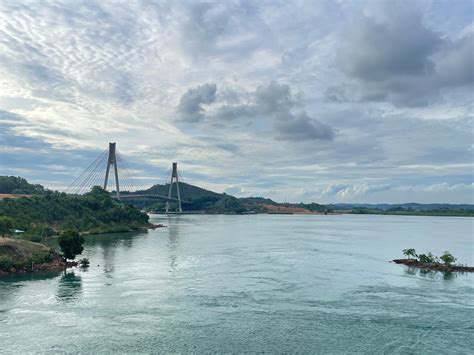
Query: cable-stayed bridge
{"x":111,"y":171}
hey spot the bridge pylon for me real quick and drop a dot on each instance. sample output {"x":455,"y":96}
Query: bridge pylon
{"x":112,"y":160}
{"x":174,"y":177}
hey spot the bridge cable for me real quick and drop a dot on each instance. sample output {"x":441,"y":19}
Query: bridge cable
{"x":71,"y":188}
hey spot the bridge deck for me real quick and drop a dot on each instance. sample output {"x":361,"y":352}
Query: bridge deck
{"x":140,"y":196}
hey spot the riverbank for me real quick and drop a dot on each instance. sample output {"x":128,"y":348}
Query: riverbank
{"x":433,"y":266}
{"x":21,"y":256}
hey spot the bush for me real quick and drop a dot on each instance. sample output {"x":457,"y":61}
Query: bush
{"x":6,"y":223}
{"x":448,"y":258}
{"x":33,"y":238}
{"x":5,"y":263}
{"x":426,"y":258}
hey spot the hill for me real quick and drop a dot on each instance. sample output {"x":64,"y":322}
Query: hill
{"x":412,"y":205}
{"x":19,"y":185}
{"x":193,"y":198}
{"x":408,"y":209}
{"x":44,"y":215}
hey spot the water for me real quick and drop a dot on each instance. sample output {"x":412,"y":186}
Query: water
{"x":272,"y":283}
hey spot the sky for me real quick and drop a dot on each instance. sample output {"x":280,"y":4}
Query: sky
{"x":312,"y":101}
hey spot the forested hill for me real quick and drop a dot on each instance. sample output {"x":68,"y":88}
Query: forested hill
{"x":193,"y":198}
{"x":412,"y":205}
{"x":19,"y":185}
{"x":198,"y":199}
{"x":52,"y":212}
{"x":188,"y":192}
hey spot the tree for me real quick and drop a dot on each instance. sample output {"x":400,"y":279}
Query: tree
{"x":426,"y":258}
{"x":448,"y":258}
{"x":410,"y":253}
{"x":6,"y":223}
{"x":71,"y":243}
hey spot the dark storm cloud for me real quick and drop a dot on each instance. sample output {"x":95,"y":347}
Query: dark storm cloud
{"x":273,"y":98}
{"x":456,"y":64}
{"x":375,"y":51}
{"x":190,"y":106}
{"x":400,"y":60}
{"x":301,"y":127}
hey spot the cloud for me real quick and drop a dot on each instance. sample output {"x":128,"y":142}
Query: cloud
{"x":273,"y":101}
{"x":375,"y":50}
{"x":455,"y":66}
{"x":301,"y":127}
{"x":398,"y":59}
{"x":190,"y":106}
{"x":287,"y":89}
{"x":273,"y":98}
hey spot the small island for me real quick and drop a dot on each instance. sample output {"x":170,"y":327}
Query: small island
{"x":444,"y":263}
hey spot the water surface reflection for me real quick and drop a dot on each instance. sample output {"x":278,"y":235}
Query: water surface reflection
{"x":69,"y":287}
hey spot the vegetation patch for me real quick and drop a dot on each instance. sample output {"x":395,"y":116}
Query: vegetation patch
{"x":25,"y":256}
{"x":445,"y":262}
{"x":41,"y":216}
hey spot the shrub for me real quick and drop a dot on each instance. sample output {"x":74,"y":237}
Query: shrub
{"x":448,"y":258}
{"x":6,"y":223}
{"x":5,"y":263}
{"x":426,"y":258}
{"x":33,"y":238}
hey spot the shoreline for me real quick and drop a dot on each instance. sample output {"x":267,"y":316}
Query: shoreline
{"x":19,"y":256}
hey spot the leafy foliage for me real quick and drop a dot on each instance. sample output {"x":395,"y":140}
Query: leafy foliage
{"x":97,"y":211}
{"x":448,"y":258}
{"x":6,"y":223}
{"x":410,"y":253}
{"x":18,"y":185}
{"x":71,"y":243}
{"x":426,"y":258}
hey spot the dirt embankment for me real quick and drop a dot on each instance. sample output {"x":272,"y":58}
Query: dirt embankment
{"x":287,"y":209}
{"x":434,"y":266}
{"x":18,"y":256}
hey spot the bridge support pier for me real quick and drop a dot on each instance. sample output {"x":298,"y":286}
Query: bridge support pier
{"x":112,"y":160}
{"x":174,"y":177}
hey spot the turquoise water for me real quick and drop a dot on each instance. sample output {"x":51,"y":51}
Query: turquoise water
{"x":261,"y":283}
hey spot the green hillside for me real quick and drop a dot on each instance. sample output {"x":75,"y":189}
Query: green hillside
{"x":193,"y":199}
{"x":188,"y":192}
{"x":19,"y":185}
{"x":44,"y":215}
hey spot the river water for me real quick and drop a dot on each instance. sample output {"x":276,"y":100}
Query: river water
{"x":257,"y":283}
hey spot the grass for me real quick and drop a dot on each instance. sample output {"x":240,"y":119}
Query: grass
{"x":21,"y":254}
